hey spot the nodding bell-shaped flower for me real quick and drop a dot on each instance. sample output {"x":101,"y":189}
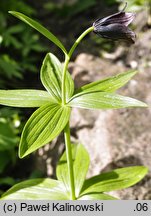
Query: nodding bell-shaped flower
{"x":115,"y":26}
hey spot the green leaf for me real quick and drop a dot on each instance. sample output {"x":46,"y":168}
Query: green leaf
{"x":24,"y":98}
{"x":34,"y":24}
{"x":36,"y":189}
{"x":114,"y":180}
{"x":51,"y":77}
{"x":80,"y":165}
{"x":103,"y":100}
{"x":44,"y":125}
{"x":110,"y":84}
{"x":8,"y":138}
{"x":97,"y":196}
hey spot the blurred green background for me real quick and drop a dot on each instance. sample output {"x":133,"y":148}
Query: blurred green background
{"x":22,"y":50}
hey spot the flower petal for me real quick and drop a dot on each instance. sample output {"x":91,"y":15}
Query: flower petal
{"x":119,"y":18}
{"x":115,"y":32}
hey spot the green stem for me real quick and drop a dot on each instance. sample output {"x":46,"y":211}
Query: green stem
{"x":69,"y":161}
{"x":67,"y":128}
{"x":67,"y":59}
{"x":79,"y":39}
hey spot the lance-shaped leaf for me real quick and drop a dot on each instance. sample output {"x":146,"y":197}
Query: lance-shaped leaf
{"x":34,"y":24}
{"x":80,"y":165}
{"x":97,"y":196}
{"x":24,"y":98}
{"x":51,"y":77}
{"x":103,"y":100}
{"x":36,"y":189}
{"x":110,"y":84}
{"x":114,"y":180}
{"x":43,"y":126}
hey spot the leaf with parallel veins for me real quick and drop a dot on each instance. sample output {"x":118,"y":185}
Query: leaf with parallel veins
{"x":44,"y":125}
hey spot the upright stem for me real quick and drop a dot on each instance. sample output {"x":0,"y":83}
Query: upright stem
{"x":67,"y":128}
{"x":69,"y":161}
{"x":67,"y":59}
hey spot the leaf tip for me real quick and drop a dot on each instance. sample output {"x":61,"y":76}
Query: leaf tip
{"x":138,"y":103}
{"x":145,"y":169}
{"x":144,"y":105}
{"x":22,"y":151}
{"x":10,"y":12}
{"x":134,"y":72}
{"x":20,"y":154}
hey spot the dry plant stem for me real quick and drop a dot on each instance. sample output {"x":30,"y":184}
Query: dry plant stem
{"x":67,"y":128}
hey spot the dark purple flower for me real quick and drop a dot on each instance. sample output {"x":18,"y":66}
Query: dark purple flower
{"x":115,"y":26}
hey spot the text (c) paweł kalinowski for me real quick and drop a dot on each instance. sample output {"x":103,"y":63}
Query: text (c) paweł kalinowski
{"x":61,"y":207}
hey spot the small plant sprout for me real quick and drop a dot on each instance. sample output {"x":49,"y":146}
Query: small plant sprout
{"x":54,"y":105}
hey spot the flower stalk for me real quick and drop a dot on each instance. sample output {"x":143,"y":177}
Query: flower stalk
{"x":67,"y":59}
